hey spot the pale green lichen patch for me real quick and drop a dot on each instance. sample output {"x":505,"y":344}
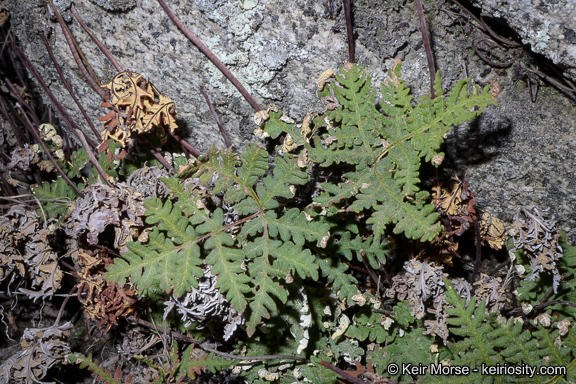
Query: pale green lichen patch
{"x":538,"y":39}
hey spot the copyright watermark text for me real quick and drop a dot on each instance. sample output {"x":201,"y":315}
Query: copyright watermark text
{"x":462,"y":370}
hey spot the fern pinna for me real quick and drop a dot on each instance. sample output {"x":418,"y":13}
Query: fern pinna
{"x":254,"y":251}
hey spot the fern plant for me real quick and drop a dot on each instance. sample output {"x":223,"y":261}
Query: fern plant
{"x":385,"y":148}
{"x":494,"y":341}
{"x":253,"y":256}
{"x":258,"y":239}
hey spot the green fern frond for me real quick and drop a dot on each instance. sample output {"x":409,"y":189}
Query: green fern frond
{"x":468,"y":321}
{"x":492,"y":340}
{"x":386,"y":148}
{"x":367,"y":325}
{"x":254,"y":165}
{"x":159,"y":265}
{"x":226,"y":262}
{"x":78,"y":160}
{"x":514,"y":344}
{"x":265,"y":289}
{"x":342,"y":283}
{"x":54,"y":197}
{"x":194,"y":366}
{"x":286,"y":172}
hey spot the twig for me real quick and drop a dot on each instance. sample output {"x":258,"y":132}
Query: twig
{"x":92,"y":158}
{"x":15,"y":200}
{"x":19,"y":99}
{"x":501,"y":39}
{"x":45,"y":41}
{"x":102,"y":47}
{"x":569,"y":91}
{"x":342,"y":373}
{"x":552,"y":302}
{"x":71,"y":45}
{"x":383,"y":311}
{"x":468,"y":12}
{"x":31,"y":129}
{"x":61,"y":311}
{"x":499,"y":266}
{"x":43,"y":85}
{"x":201,"y":344}
{"x":372,"y":272}
{"x":10,"y":121}
{"x":478,"y":250}
{"x":533,"y":94}
{"x":157,"y":155}
{"x":547,"y":295}
{"x":210,"y":56}
{"x":426,"y":41}
{"x":348,"y":16}
{"x":487,"y":60}
{"x":216,"y":118}
{"x":184,"y":143}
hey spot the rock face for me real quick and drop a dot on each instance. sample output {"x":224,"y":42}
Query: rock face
{"x":520,"y":152}
{"x":549,"y":27}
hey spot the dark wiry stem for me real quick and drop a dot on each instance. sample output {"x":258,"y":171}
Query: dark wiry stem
{"x":56,"y":104}
{"x":10,"y":121}
{"x":31,"y":129}
{"x":45,"y":41}
{"x":92,"y":157}
{"x":552,"y":302}
{"x":203,"y":345}
{"x":61,"y":311}
{"x":218,"y":122}
{"x":102,"y":47}
{"x":68,"y":37}
{"x":348,"y":16}
{"x":342,"y":373}
{"x":426,"y":40}
{"x":184,"y":144}
{"x":157,"y":155}
{"x":204,"y":49}
{"x":478,"y":250}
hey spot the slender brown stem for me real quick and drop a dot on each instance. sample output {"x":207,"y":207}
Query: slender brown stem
{"x":191,"y":340}
{"x":157,"y":155}
{"x":547,"y":295}
{"x":497,"y":36}
{"x":10,"y":121}
{"x":184,"y":143}
{"x":348,"y":16}
{"x":80,"y":53}
{"x":61,"y":311}
{"x":93,"y":158}
{"x":31,"y":129}
{"x":426,"y":40}
{"x":43,"y":85}
{"x":204,"y":49}
{"x":478,"y":250}
{"x":72,"y":47}
{"x":342,"y":373}
{"x":568,"y":90}
{"x":216,"y":118}
{"x":45,"y":41}
{"x":102,"y":47}
{"x":486,"y":59}
{"x":552,"y":302}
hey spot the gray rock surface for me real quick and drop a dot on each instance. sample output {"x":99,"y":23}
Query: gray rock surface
{"x":549,"y":27}
{"x":520,"y":152}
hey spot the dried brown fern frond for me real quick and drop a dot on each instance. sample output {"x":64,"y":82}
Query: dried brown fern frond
{"x":137,"y":107}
